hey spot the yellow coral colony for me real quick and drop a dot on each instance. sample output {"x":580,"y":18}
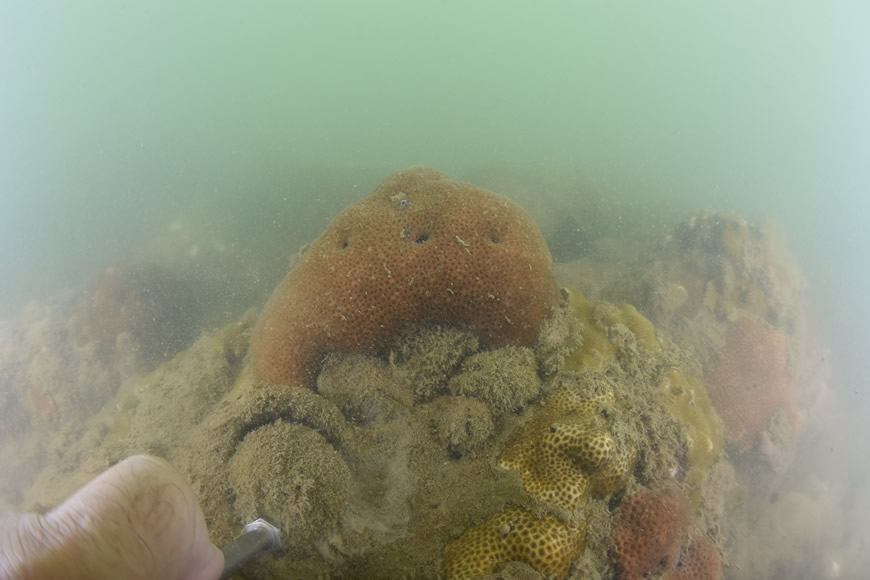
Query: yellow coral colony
{"x":686,"y":399}
{"x":515,"y":535}
{"x":597,"y":352}
{"x":567,"y":452}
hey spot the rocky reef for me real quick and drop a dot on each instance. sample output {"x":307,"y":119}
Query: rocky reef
{"x":418,"y":399}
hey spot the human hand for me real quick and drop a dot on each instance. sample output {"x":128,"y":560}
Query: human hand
{"x":139,"y":519}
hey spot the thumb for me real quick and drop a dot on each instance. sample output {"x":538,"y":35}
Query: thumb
{"x":138,"y":519}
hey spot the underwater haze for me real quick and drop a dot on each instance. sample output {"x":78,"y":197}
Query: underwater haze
{"x":216,"y":138}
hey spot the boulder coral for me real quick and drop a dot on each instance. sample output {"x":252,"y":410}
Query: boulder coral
{"x":750,"y":383}
{"x":421,"y":248}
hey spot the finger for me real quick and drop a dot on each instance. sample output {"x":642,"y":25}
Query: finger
{"x":206,"y":561}
{"x":139,"y":517}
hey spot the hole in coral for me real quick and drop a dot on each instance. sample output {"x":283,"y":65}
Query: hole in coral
{"x":399,"y":201}
{"x":344,"y":243}
{"x":494,"y":239}
{"x":422,"y":238}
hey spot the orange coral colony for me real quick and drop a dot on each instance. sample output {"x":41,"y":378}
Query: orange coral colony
{"x":750,"y":382}
{"x":420,"y":248}
{"x":648,"y":533}
{"x":701,"y":562}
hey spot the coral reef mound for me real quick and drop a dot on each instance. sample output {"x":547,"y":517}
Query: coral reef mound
{"x":750,"y":382}
{"x":648,"y":533}
{"x":420,"y":248}
{"x":515,"y":535}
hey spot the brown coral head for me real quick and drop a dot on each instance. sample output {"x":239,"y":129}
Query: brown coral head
{"x":420,"y":248}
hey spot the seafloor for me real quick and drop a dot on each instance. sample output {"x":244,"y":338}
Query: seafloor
{"x":395,"y":456}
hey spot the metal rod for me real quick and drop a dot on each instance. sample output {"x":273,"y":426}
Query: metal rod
{"x":259,"y":536}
